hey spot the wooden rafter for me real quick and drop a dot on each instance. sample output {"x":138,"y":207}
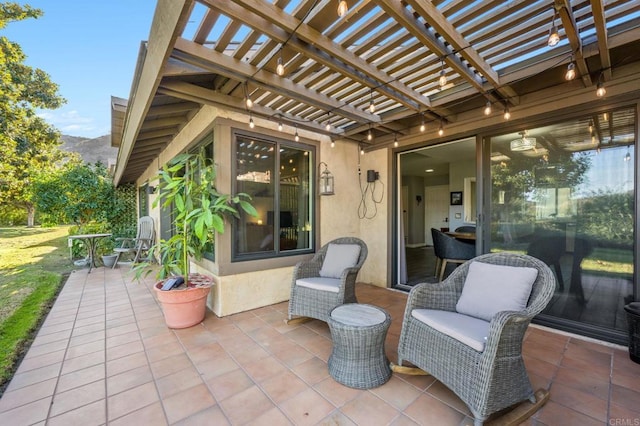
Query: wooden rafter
{"x":599,"y":21}
{"x":571,"y":30}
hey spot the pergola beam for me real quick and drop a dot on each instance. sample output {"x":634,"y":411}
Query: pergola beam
{"x":571,"y":30}
{"x":601,"y":32}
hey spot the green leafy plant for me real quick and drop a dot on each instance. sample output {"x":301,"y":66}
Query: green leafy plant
{"x":187,"y":183}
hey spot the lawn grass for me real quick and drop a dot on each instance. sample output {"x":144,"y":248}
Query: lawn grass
{"x":34,"y":263}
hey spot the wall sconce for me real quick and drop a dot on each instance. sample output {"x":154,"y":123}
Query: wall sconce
{"x":151,"y":189}
{"x":325,"y":181}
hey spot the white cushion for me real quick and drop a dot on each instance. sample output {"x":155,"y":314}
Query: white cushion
{"x":319,"y":283}
{"x":338,"y":258}
{"x":471,"y":331}
{"x":489,"y":289}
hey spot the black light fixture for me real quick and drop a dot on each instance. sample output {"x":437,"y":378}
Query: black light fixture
{"x":150,"y":189}
{"x":554,"y":37}
{"x":325,"y":181}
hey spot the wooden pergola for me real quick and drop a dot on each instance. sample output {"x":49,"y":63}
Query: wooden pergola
{"x":420,"y":63}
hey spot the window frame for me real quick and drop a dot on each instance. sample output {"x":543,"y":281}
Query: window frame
{"x":279,"y":142}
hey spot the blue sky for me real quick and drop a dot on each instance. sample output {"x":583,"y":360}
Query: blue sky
{"x":89,"y":48}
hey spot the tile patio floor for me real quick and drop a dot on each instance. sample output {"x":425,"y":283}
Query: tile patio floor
{"x":104,"y":356}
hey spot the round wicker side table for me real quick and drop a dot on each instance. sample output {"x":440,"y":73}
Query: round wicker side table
{"x":358,"y":332}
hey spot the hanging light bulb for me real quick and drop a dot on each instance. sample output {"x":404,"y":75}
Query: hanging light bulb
{"x":627,"y":157}
{"x":441,"y":129}
{"x":591,"y":126}
{"x":328,"y":126}
{"x":251,"y":123}
{"x":600,"y":90}
{"x":369,"y":135}
{"x":423,"y":127}
{"x":442,"y":81}
{"x":296,"y":137}
{"x":487,"y":108}
{"x":372,"y":107}
{"x":280,"y":125}
{"x":249,"y":102}
{"x":333,"y":143}
{"x":361,"y":151}
{"x":507,"y":113}
{"x":605,"y":116}
{"x":343,"y":8}
{"x":280,"y":67}
{"x":395,"y":140}
{"x":554,"y":37}
{"x":571,"y":71}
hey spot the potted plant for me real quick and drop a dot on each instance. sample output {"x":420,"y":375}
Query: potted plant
{"x":105,"y":250}
{"x":187,"y":183}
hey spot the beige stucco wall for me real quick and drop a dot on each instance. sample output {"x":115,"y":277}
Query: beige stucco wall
{"x":244,"y":286}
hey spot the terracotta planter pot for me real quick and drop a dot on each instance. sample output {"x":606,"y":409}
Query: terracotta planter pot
{"x":187,"y":307}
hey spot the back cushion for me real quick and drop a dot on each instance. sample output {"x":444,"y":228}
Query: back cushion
{"x":338,"y":258}
{"x":489,"y":289}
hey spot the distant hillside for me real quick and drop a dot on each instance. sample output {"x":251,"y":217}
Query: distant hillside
{"x":91,"y":150}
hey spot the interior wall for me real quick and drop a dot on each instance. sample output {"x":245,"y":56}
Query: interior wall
{"x":415,"y":210}
{"x":457,"y":172}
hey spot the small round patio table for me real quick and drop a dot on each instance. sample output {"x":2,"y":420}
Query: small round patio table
{"x":358,"y":332}
{"x":91,"y":241}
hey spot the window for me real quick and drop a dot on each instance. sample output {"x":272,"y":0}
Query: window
{"x":143,"y":201}
{"x":277,"y":175}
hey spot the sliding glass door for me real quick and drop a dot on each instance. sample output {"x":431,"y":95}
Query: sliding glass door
{"x":565,"y":194}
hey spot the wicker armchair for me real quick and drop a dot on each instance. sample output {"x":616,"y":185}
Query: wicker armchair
{"x":313,"y":295}
{"x":490,"y":379}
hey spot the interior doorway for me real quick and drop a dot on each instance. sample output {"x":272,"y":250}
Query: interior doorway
{"x":428,"y":179}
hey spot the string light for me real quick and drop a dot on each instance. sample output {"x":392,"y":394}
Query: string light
{"x":251,"y":123}
{"x":441,"y":129}
{"x":442,"y":81}
{"x":280,"y":67}
{"x":487,"y":108}
{"x":280,"y":125}
{"x":343,"y":8}
{"x":423,"y":127}
{"x":395,"y":140}
{"x":361,"y":150}
{"x":369,"y":135}
{"x":600,"y":90}
{"x":627,"y":157}
{"x":507,"y":113}
{"x":554,"y":37}
{"x":372,"y":106}
{"x":333,"y":143}
{"x":591,"y":126}
{"x":296,"y":137}
{"x":571,"y":71}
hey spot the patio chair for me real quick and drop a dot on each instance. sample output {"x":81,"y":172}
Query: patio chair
{"x":449,"y":250}
{"x":468,"y":330}
{"x":140,"y":245}
{"x":328,"y":279}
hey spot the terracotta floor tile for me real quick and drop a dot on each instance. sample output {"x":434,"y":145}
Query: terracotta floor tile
{"x":158,"y":353}
{"x":292,"y":354}
{"x":131,"y":400}
{"x":273,"y":416}
{"x":229,"y":384}
{"x":263,"y":369}
{"x":123,"y":339}
{"x":87,"y":415}
{"x":126,"y":363}
{"x":27,"y":394}
{"x":206,"y":352}
{"x":246,"y":405}
{"x":397,"y":393}
{"x":336,"y":393}
{"x":83,"y":361}
{"x":42,"y":339}
{"x":39,"y":361}
{"x":444,"y":394}
{"x":583,"y":402}
{"x":170,"y":365}
{"x":128,"y":380}
{"x":312,"y":371}
{"x":427,"y":410}
{"x":623,"y":415}
{"x":27,"y":414}
{"x":403,"y":420}
{"x":149,"y":415}
{"x":81,"y":377}
{"x":77,"y":397}
{"x":31,"y":377}
{"x":283,"y":386}
{"x":551,"y":412}
{"x":178,"y":381}
{"x":368,"y":408}
{"x":577,"y":379}
{"x":208,"y":417}
{"x":187,"y":402}
{"x":124,"y":350}
{"x":85,"y":349}
{"x":48,"y":348}
{"x":87,"y":338}
{"x":624,"y":397}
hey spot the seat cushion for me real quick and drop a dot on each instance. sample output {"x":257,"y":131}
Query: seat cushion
{"x":471,"y":331}
{"x":338,"y":258}
{"x":489,"y":289}
{"x":320,"y":283}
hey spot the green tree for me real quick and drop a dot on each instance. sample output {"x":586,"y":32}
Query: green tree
{"x":28,"y":144}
